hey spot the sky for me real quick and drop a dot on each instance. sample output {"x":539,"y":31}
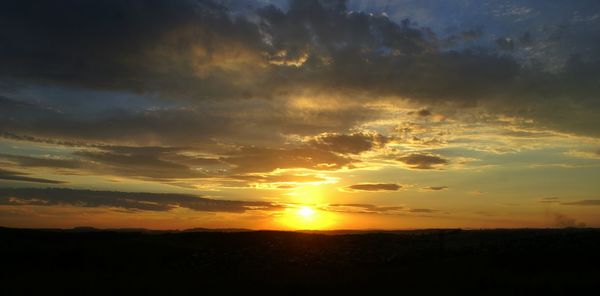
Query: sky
{"x":301,"y":114}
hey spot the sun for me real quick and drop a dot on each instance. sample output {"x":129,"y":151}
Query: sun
{"x":305,"y":217}
{"x":306,"y":212}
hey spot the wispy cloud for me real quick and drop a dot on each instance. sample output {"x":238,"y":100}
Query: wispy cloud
{"x":423,"y":161}
{"x":435,"y":188}
{"x":587,"y":202}
{"x":141,"y":201}
{"x":24,"y":177}
{"x":373,"y":187}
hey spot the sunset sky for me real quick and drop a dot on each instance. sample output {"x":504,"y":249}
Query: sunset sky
{"x":385,"y":114}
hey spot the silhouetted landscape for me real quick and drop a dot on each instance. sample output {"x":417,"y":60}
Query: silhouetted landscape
{"x":85,"y":260}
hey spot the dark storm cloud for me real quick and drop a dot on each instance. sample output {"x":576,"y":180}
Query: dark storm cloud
{"x":126,"y":200}
{"x":505,"y":43}
{"x":23,"y":177}
{"x":184,"y":47}
{"x":200,"y":50}
{"x":353,"y":143}
{"x":526,"y":38}
{"x":114,"y":44}
{"x":423,"y":161}
{"x":362,"y":53}
{"x":374,"y":187}
{"x":459,"y":38}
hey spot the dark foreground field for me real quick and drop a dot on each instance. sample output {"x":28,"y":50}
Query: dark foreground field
{"x":508,"y":262}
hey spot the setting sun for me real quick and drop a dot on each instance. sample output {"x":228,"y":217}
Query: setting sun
{"x":306,"y":217}
{"x":306,"y":212}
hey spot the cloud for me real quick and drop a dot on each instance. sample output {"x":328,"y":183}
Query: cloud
{"x":126,"y":200}
{"x":29,"y":161}
{"x":150,"y":162}
{"x":251,"y":121}
{"x":275,"y":180}
{"x":255,"y":159}
{"x":468,"y":35}
{"x":549,"y":200}
{"x":112,"y":42}
{"x":587,"y":202}
{"x":527,"y":134}
{"x":173,"y":165}
{"x":505,"y":43}
{"x":363,"y":208}
{"x":219,"y":62}
{"x":435,"y":188}
{"x":144,"y":162}
{"x":19,"y":176}
{"x":424,"y":112}
{"x":145,"y":127}
{"x":373,"y":187}
{"x":373,"y":209}
{"x":423,"y":161}
{"x":422,"y":211}
{"x":279,"y":178}
{"x":353,"y":143}
{"x":583,"y":154}
{"x":286,"y":187}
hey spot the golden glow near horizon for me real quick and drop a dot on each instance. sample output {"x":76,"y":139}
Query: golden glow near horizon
{"x":305,"y":217}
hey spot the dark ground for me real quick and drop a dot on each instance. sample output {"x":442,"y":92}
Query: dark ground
{"x":508,"y":262}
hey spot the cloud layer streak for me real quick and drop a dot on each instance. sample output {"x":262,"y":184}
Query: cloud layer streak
{"x":125,"y":200}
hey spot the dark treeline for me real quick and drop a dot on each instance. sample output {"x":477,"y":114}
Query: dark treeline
{"x":446,"y":261}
